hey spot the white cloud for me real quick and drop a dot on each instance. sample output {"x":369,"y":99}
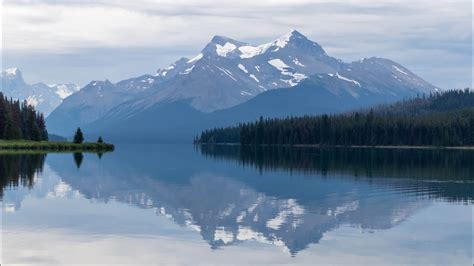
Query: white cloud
{"x":42,"y":25}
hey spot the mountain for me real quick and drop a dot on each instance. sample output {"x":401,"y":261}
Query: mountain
{"x":95,"y":100}
{"x":178,"y":121}
{"x":225,"y":76}
{"x":225,"y":73}
{"x":43,"y":97}
{"x":228,"y":72}
{"x":367,"y":82}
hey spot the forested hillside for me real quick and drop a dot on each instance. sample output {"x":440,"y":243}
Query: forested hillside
{"x":442,"y":119}
{"x":18,"y":120}
{"x":426,"y":104}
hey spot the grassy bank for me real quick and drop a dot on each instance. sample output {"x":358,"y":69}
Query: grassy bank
{"x":54,"y":146}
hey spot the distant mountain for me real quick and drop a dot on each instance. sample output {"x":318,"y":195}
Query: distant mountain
{"x":44,"y":97}
{"x":178,"y":122}
{"x":364,"y":83}
{"x":95,"y":100}
{"x":229,"y":72}
{"x":224,"y":74}
{"x":224,"y":77}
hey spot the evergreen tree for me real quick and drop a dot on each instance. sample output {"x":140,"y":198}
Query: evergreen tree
{"x":20,"y":121}
{"x":78,"y":136}
{"x":99,"y":140}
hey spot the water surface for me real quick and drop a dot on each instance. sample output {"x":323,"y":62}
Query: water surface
{"x":179,"y":204}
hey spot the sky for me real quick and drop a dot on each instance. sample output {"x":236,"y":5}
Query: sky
{"x":79,"y":41}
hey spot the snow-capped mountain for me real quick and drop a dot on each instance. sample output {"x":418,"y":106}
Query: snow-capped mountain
{"x":227,"y":73}
{"x":224,"y":74}
{"x":44,"y":98}
{"x":94,"y":100}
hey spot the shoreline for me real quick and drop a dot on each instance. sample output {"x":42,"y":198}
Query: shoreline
{"x":401,"y":147}
{"x":54,"y":146}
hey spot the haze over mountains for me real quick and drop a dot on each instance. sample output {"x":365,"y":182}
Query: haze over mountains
{"x":230,"y":81}
{"x":44,"y":98}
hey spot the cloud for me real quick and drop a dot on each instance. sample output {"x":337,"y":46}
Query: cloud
{"x":348,"y":29}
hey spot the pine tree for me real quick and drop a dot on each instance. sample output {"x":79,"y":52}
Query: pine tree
{"x":78,"y":137}
{"x":20,"y":121}
{"x":99,"y":140}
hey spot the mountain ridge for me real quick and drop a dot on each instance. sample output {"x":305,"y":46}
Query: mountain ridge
{"x":45,"y":98}
{"x":228,"y":73}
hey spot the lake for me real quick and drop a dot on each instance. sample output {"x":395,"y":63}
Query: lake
{"x":181,"y":204}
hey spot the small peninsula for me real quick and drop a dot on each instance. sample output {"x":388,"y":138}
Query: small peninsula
{"x":23,"y":128}
{"x":54,"y":146}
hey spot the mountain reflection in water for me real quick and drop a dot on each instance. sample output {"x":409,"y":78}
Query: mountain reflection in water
{"x":435,"y":172}
{"x":288,"y":197}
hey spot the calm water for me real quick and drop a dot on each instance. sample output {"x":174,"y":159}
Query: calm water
{"x":225,"y":205}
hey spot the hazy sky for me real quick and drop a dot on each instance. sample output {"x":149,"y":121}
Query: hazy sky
{"x":79,"y":41}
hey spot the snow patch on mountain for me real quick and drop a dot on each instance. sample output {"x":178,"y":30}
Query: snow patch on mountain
{"x":187,"y":71}
{"x":64,"y":90}
{"x":297,"y":78}
{"x":227,"y":72}
{"x":224,"y":50}
{"x":254,"y":78}
{"x":34,"y":100}
{"x":283,"y":40}
{"x":194,"y":59}
{"x":242,"y":67}
{"x":11,"y":71}
{"x":399,"y":70}
{"x":249,"y":51}
{"x":339,"y":76}
{"x":297,"y":62}
{"x":278,"y":64}
{"x":245,"y":93}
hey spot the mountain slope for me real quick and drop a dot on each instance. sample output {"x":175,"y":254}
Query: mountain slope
{"x":178,"y":122}
{"x":364,"y":83}
{"x":95,"y":100}
{"x":43,"y":97}
{"x":227,"y":74}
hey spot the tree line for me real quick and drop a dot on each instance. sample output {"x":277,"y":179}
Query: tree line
{"x":434,"y":102}
{"x":19,"y":120}
{"x":441,"y":119}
